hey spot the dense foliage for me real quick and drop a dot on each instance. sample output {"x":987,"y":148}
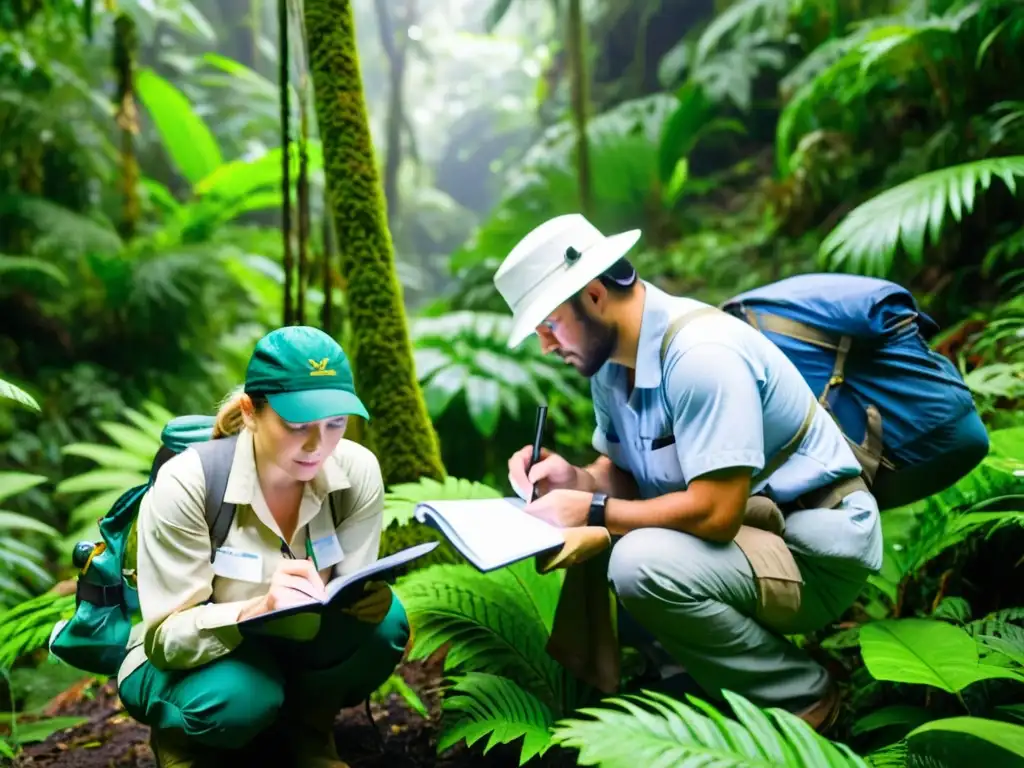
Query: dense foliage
{"x":142,"y":181}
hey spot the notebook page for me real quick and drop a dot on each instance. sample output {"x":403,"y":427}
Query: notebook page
{"x":495,"y":531}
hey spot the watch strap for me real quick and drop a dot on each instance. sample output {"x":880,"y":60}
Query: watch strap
{"x":596,"y":515}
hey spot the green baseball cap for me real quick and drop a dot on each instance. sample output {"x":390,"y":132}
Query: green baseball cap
{"x":304,"y":374}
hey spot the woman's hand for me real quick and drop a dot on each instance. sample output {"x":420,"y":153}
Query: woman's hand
{"x":295,"y":582}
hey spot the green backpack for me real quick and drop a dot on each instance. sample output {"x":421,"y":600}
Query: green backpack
{"x":95,"y":638}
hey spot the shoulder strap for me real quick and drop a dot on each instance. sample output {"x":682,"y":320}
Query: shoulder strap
{"x":790,"y":447}
{"x":216,"y":457}
{"x":681,"y":322}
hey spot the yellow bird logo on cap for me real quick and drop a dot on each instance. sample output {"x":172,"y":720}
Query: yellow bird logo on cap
{"x":320,"y":368}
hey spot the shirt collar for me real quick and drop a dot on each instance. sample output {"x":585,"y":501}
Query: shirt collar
{"x":653,"y":325}
{"x":243,"y":482}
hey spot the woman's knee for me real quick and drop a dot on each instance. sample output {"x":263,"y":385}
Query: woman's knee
{"x":392,"y":634}
{"x":240,"y":707}
{"x":223,"y":704}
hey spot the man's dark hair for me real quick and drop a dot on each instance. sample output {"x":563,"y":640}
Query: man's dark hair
{"x":620,"y":278}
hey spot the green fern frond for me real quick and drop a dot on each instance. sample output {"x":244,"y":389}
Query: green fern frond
{"x":27,"y":626}
{"x":866,"y":240}
{"x":654,"y":729}
{"x":480,"y":704}
{"x":401,"y":499}
{"x":34,"y":265}
{"x":497,"y":622}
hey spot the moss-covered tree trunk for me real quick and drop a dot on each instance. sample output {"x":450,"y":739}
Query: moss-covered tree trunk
{"x":400,"y":431}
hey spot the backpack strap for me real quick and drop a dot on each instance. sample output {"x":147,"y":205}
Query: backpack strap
{"x":217,"y":456}
{"x":787,"y":450}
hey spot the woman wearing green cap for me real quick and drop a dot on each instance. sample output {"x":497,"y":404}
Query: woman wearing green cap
{"x":308,"y":507}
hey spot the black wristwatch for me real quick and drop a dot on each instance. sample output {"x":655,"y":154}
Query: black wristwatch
{"x":597,"y":509}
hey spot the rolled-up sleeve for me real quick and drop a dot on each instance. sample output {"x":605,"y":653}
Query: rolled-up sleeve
{"x":359,"y":531}
{"x":175,"y":576}
{"x":716,"y":408}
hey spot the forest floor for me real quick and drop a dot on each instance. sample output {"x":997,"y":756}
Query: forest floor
{"x":110,"y":738}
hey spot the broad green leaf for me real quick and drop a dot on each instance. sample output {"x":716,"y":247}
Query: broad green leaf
{"x":1007,"y":736}
{"x":925,"y":652}
{"x":657,"y":730}
{"x":102,"y":480}
{"x":107,"y":456}
{"x":13,"y":483}
{"x":32,"y":264}
{"x":682,"y":129}
{"x":10,"y":521}
{"x":131,"y":439}
{"x":186,"y":137}
{"x":41,"y":729}
{"x":442,"y":387}
{"x":18,"y":395}
{"x":907,"y":215}
{"x":886,"y":717}
{"x":482,"y":398}
{"x":93,"y":508}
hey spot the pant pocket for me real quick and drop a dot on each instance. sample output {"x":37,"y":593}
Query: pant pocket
{"x":778,"y":578}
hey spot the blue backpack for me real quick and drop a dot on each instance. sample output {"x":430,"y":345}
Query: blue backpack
{"x":861,"y":344}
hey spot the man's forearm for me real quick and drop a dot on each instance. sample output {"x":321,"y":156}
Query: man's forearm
{"x":604,"y":476}
{"x":679,"y":511}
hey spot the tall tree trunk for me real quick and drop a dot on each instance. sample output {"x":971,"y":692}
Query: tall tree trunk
{"x":126,"y":43}
{"x":286,"y":159}
{"x":393,"y":20}
{"x":577,"y":56}
{"x":400,"y":431}
{"x":302,"y":193}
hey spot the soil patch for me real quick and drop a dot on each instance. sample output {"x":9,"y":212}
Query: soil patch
{"x":399,"y":737}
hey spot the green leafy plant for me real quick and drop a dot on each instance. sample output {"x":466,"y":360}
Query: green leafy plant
{"x":464,"y":356}
{"x":867,"y":239}
{"x":503,"y":682}
{"x":119,"y":467}
{"x":655,"y":729}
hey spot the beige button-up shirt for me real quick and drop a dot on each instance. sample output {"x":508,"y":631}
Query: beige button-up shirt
{"x":190,"y":606}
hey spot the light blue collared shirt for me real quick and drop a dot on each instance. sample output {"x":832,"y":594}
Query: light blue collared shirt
{"x":735,"y":397}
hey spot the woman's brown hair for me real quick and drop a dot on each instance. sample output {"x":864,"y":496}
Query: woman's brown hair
{"x":229,"y":416}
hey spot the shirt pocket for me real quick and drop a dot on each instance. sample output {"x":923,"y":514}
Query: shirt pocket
{"x":661,"y":463}
{"x":617,"y":450}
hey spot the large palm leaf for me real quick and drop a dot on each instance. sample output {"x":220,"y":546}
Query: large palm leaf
{"x":867,"y":239}
{"x":465,"y":354}
{"x":654,"y":729}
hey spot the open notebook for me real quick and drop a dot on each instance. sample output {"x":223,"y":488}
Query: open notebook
{"x":345,"y":590}
{"x":490,"y":533}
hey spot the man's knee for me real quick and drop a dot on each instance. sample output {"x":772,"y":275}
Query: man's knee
{"x":658,"y":563}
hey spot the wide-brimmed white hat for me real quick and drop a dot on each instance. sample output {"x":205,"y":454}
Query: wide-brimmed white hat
{"x":551,"y":264}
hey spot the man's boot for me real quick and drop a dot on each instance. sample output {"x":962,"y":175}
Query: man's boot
{"x":822,"y":714}
{"x":311,"y":731}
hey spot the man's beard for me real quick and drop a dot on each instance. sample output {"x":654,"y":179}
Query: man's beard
{"x":599,"y":342}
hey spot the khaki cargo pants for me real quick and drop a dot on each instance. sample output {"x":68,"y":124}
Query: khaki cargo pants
{"x":722,"y":610}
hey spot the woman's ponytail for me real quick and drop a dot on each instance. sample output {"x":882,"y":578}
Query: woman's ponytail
{"x":229,"y":417}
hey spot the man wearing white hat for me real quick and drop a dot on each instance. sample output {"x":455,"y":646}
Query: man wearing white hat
{"x":730,"y":500}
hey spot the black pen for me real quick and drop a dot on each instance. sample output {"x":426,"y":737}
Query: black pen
{"x":542,"y":416}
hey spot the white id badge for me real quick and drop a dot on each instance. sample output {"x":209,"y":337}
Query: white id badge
{"x":327,"y":551}
{"x":231,"y":563}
